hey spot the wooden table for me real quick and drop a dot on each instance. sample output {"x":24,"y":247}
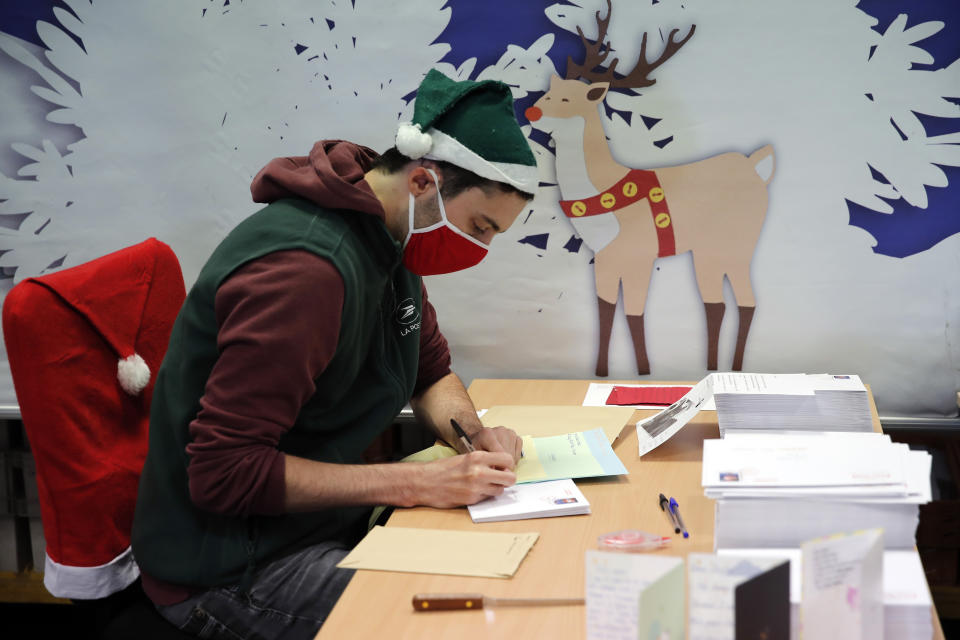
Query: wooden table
{"x":377,"y":603}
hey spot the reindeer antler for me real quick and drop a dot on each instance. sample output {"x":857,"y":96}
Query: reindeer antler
{"x":596,"y":53}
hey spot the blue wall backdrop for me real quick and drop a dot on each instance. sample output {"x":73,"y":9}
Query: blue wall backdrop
{"x":478,"y":30}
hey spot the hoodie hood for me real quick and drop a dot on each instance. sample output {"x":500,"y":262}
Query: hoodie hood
{"x":331,"y":176}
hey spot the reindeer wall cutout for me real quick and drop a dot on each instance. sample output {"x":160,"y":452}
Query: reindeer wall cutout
{"x":713,"y":208}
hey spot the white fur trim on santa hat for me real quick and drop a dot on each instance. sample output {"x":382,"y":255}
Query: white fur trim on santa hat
{"x":88,"y":583}
{"x":133,"y":374}
{"x":449,"y":149}
{"x":411,"y":141}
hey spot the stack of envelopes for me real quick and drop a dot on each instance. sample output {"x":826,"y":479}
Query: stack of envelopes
{"x":795,"y":401}
{"x":779,"y":490}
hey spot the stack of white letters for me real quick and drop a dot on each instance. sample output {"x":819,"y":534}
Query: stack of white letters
{"x":776,"y":491}
{"x":780,"y":489}
{"x":795,"y":401}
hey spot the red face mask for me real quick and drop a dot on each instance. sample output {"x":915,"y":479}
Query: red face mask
{"x":441,"y":247}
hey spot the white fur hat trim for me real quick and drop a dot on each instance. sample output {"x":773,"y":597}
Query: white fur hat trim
{"x":412,"y":142}
{"x":133,"y":374}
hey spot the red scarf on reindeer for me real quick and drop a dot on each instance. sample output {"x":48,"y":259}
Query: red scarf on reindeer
{"x":633,"y":187}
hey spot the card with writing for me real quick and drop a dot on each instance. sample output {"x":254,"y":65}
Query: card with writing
{"x":631,"y":597}
{"x":843,"y":586}
{"x":738,"y":598}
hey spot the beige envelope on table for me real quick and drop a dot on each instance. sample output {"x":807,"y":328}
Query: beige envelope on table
{"x":551,"y":420}
{"x":459,"y":553}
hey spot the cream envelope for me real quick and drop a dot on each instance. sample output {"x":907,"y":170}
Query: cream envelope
{"x":541,"y":421}
{"x":459,"y":553}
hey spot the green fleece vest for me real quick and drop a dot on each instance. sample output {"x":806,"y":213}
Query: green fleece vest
{"x":367,"y":382}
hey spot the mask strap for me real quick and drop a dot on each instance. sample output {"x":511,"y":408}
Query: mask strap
{"x":443,"y":212}
{"x":409,"y":223}
{"x":410,"y":207}
{"x":444,"y":222}
{"x":450,"y":225}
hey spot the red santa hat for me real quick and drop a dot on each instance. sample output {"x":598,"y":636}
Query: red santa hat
{"x":84,"y":345}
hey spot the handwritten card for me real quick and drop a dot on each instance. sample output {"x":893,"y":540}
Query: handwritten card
{"x":581,"y":454}
{"x":843,"y":586}
{"x":738,"y":598}
{"x":634,"y":596}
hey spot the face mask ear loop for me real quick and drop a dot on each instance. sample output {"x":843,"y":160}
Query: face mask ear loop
{"x":409,"y":223}
{"x":443,"y":212}
{"x":446,"y":221}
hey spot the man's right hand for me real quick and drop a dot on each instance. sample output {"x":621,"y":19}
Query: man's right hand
{"x":462,"y":480}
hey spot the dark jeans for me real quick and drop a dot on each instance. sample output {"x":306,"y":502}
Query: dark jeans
{"x":290,"y":598}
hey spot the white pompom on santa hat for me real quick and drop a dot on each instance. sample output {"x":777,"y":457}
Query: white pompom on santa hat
{"x":133,"y":374}
{"x":412,"y":141}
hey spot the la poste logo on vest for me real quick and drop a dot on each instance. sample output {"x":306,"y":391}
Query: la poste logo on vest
{"x":407,"y":316}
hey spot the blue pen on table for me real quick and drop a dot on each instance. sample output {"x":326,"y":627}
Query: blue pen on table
{"x":675,"y":509}
{"x":665,"y":507}
{"x":464,"y":438}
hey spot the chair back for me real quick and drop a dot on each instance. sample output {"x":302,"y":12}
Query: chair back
{"x":84,"y":345}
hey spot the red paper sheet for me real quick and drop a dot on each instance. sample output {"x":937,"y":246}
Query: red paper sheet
{"x":646,"y":395}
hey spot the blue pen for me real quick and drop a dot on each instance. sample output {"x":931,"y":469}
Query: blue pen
{"x":665,"y":507}
{"x":675,"y":510}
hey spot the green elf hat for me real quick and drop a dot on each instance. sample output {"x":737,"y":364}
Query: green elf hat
{"x":472,"y":125}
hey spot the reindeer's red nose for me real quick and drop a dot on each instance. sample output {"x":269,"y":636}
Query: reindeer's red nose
{"x":533,"y":114}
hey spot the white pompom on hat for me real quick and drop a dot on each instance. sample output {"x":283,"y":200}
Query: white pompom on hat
{"x":133,"y":374}
{"x":412,"y":142}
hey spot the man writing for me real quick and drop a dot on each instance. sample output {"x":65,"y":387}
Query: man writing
{"x":305,"y":334}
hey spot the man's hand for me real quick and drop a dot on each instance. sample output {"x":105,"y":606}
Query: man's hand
{"x":446,"y":399}
{"x":462,"y":480}
{"x":444,"y":483}
{"x":498,"y":439}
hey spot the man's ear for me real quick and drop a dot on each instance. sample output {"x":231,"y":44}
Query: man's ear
{"x":419,"y":179}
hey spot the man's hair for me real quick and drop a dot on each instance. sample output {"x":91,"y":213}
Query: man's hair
{"x":456,"y":179}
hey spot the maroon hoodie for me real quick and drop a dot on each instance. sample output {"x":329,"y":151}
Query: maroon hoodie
{"x":268,"y":311}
